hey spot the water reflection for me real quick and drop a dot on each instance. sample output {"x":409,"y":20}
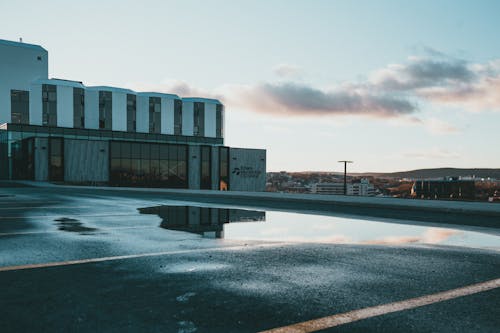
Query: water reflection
{"x":293,"y":227}
{"x":73,"y":225}
{"x":206,"y":221}
{"x":213,"y":222}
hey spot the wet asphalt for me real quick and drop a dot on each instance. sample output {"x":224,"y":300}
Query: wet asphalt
{"x":212,"y":285}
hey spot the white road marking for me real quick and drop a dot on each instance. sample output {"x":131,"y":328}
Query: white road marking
{"x":140,"y":255}
{"x":352,"y":316}
{"x":44,"y":207}
{"x":59,"y":231}
{"x":68,"y":215}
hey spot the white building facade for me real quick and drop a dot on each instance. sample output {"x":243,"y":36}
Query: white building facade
{"x":42,"y":111}
{"x":363,"y":188}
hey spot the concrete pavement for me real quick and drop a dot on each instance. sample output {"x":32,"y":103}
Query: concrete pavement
{"x":118,"y":271}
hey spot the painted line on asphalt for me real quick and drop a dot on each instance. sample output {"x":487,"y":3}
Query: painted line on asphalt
{"x":43,"y":207}
{"x":4,"y":202}
{"x":70,"y":215}
{"x":356,"y":315}
{"x":140,"y":255}
{"x":59,"y":231}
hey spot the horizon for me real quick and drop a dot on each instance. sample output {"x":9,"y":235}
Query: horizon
{"x":377,"y":172}
{"x":390,"y":86}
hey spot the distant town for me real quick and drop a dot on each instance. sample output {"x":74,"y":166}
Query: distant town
{"x":442,"y":184}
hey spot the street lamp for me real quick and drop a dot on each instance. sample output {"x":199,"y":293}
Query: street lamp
{"x":345,"y":175}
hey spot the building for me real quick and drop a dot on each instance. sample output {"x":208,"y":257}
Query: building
{"x":448,"y":188}
{"x":363,"y":188}
{"x":61,"y":130}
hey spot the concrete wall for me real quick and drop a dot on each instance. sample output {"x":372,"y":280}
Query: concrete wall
{"x":36,"y":107}
{"x":187,"y":118}
{"x":247,"y":169}
{"x":194,"y":160}
{"x":119,"y":111}
{"x":41,"y":159}
{"x":86,"y":161}
{"x":64,"y":106}
{"x":92,"y":109}
{"x":167,"y":116}
{"x":210,"y":119}
{"x":19,"y":66}
{"x":142,"y":117}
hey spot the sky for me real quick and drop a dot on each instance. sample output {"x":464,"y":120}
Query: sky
{"x":391,"y":85}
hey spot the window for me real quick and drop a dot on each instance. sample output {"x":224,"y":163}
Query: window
{"x":155,"y":115}
{"x":178,"y":117}
{"x":49,"y":105}
{"x":199,"y":119}
{"x":105,"y":109}
{"x":148,"y":164}
{"x":78,"y":108}
{"x":205,"y":176}
{"x":219,"y":121}
{"x":131,"y":113}
{"x":223,"y":168}
{"x":20,"y":106}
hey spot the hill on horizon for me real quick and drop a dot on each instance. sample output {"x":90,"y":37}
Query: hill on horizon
{"x":436,"y":173}
{"x":418,"y":173}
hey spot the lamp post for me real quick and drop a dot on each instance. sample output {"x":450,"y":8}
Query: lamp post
{"x":345,"y":175}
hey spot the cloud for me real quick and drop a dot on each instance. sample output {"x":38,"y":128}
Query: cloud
{"x":430,"y":236}
{"x":290,"y":98}
{"x":178,"y":87}
{"x":432,"y":154}
{"x":287,"y":71}
{"x":395,"y":91}
{"x":422,"y":73}
{"x":437,"y":126}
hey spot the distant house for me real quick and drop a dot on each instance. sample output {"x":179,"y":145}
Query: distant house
{"x":363,"y":188}
{"x":448,"y":188}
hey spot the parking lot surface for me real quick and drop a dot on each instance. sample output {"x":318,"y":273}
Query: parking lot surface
{"x":89,"y":260}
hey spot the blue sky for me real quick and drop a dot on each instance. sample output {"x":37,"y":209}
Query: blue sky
{"x":392,"y":85}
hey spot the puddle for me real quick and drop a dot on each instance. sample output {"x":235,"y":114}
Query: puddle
{"x":213,"y":222}
{"x":73,"y":225}
{"x":205,"y":221}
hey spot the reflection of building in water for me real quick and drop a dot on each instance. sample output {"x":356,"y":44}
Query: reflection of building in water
{"x":205,"y":221}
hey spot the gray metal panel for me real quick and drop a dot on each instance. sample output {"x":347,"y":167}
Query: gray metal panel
{"x":194,"y":216}
{"x":247,"y":169}
{"x":41,"y":159}
{"x":194,"y":160}
{"x":215,"y":168}
{"x":86,"y":161}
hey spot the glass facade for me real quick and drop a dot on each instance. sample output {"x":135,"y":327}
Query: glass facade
{"x":199,"y":119}
{"x":148,"y":164}
{"x":224,"y":168}
{"x":23,"y":166}
{"x":20,"y":106}
{"x":105,"y":109}
{"x":49,"y":105}
{"x":177,"y":117}
{"x":131,"y":113}
{"x":155,"y":115}
{"x":205,"y":167}
{"x":78,"y":108}
{"x":4,"y":155}
{"x":56,"y":159}
{"x":219,"y":121}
